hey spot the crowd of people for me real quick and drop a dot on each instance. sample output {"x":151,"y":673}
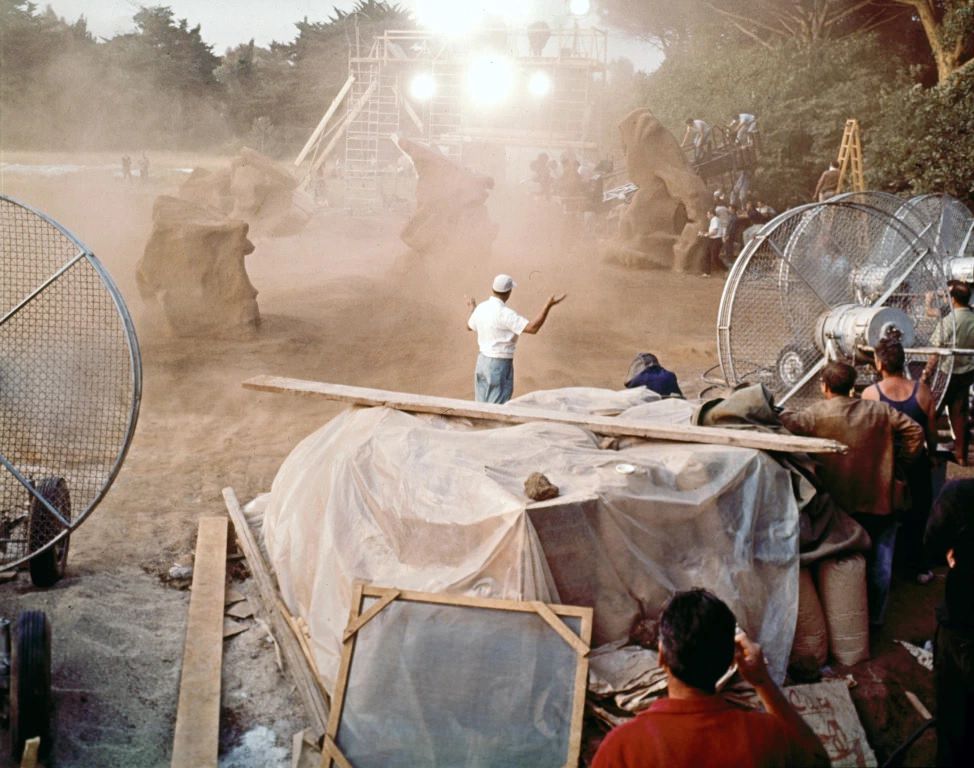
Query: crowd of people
{"x":730,"y":224}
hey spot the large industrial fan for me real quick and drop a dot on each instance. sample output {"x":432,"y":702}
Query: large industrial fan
{"x":70,"y":386}
{"x":828,"y":281}
{"x":950,"y":231}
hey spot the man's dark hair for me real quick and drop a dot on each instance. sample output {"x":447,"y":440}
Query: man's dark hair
{"x":840,"y":378}
{"x":889,"y":352}
{"x":951,"y":523}
{"x":960,"y":292}
{"x":696,"y":632}
{"x":689,"y":121}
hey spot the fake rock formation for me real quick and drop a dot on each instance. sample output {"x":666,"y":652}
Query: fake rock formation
{"x":193,"y":268}
{"x":660,"y":226}
{"x":451,"y":210}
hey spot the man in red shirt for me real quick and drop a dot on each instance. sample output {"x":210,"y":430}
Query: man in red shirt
{"x":697,"y":727}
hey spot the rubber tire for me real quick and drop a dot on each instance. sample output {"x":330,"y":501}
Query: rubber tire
{"x":48,"y":567}
{"x":30,"y":683}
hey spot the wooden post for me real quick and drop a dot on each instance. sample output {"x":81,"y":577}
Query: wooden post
{"x":198,"y":712}
{"x":522,"y":414}
{"x":324,"y":121}
{"x":352,"y":114}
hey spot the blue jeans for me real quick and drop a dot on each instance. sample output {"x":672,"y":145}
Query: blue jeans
{"x":493,"y":379}
{"x":879,"y":562}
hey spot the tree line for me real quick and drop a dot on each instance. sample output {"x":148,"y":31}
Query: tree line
{"x":902,"y":67}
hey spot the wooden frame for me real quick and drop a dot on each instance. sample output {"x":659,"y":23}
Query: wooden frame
{"x":551,"y":614}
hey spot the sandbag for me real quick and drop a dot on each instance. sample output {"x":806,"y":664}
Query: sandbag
{"x":842,"y":590}
{"x":811,"y":632}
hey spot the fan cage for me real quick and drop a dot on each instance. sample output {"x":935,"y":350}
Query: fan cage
{"x":809,"y":261}
{"x":70,"y":382}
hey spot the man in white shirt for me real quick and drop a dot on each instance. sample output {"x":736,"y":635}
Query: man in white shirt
{"x":701,"y":133}
{"x":498,"y":328}
{"x":746,"y":125}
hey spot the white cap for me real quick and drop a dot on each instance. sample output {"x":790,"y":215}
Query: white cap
{"x":503,"y":283}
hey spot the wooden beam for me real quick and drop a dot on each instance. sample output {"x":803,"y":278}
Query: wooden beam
{"x":352,"y":114}
{"x":309,"y":685}
{"x":521,"y":414}
{"x":316,"y":134}
{"x":197,"y":734}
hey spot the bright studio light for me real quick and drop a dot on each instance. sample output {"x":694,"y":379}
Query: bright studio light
{"x":539,"y":84}
{"x":490,"y":79}
{"x":448,"y":17}
{"x":579,"y":7}
{"x":422,"y":87}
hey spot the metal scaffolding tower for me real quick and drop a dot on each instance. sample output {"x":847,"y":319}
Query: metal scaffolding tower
{"x":378,"y":102}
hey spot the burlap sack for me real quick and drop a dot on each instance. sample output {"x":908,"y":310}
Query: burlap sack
{"x":811,"y":632}
{"x":842,"y":590}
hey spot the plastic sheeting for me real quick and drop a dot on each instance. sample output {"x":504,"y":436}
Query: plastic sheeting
{"x":432,"y":504}
{"x":442,"y":685}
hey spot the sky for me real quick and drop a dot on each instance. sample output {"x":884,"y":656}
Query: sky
{"x":226,"y":23}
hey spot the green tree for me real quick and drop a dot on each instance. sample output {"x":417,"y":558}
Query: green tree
{"x":927,"y":139}
{"x":802,"y":96}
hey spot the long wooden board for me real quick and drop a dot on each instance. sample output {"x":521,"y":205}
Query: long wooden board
{"x":519,"y":414}
{"x":197,"y":733}
{"x":307,"y":682}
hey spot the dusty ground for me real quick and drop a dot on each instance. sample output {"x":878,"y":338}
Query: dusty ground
{"x":344,"y":303}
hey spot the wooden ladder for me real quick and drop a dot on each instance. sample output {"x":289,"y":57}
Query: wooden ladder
{"x":850,"y":158}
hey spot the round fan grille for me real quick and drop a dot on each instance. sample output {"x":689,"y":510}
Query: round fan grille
{"x":949,"y":224}
{"x":70,"y":382}
{"x":810,"y":264}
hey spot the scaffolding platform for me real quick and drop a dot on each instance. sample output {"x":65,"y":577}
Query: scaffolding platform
{"x":376,"y":102}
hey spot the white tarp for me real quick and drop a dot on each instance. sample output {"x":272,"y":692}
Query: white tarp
{"x":437,"y":505}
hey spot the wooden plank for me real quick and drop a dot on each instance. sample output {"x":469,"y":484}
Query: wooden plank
{"x":197,"y":733}
{"x":559,"y":626}
{"x":520,"y":414}
{"x":307,"y":682}
{"x":918,"y":705}
{"x":352,"y":114}
{"x":316,"y":134}
{"x":32,"y":747}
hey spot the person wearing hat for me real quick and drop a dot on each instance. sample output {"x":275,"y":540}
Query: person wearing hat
{"x":957,"y":395}
{"x":498,"y":328}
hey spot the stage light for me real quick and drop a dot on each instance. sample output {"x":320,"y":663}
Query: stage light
{"x":539,"y":84}
{"x":448,"y":17}
{"x":422,"y":87}
{"x":490,"y":79}
{"x":579,"y":7}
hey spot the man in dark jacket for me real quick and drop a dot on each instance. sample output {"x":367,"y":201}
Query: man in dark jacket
{"x":950,"y":537}
{"x":646,"y":371}
{"x":862,"y":481}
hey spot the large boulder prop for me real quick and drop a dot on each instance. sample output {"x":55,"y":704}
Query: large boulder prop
{"x":660,"y":226}
{"x":193,"y":268}
{"x":451,"y":204}
{"x":254,"y":188}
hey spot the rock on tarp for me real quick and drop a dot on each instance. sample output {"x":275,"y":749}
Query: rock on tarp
{"x":436,"y":505}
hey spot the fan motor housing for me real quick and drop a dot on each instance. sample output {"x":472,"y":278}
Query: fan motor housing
{"x":961,"y":270}
{"x":850,"y":326}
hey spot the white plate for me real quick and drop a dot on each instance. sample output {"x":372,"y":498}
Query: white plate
{"x":625,"y":469}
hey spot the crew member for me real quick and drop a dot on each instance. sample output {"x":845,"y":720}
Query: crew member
{"x":696,"y":726}
{"x":498,"y":328}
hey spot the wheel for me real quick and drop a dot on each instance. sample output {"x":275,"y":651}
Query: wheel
{"x":48,"y":567}
{"x":30,"y":683}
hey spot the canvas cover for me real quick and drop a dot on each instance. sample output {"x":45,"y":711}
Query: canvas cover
{"x":437,"y":505}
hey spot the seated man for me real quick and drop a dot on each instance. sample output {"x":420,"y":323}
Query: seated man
{"x":882,"y":443}
{"x":950,"y":537}
{"x":695,"y":725}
